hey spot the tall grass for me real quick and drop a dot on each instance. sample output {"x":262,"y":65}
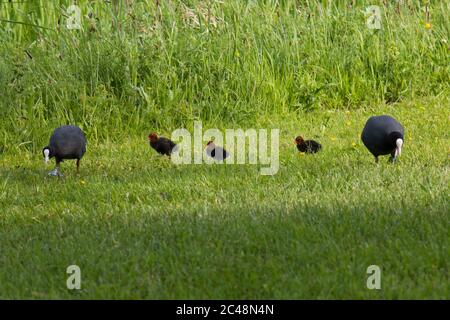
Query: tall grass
{"x":137,"y":65}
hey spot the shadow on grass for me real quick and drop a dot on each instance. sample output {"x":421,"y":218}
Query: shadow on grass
{"x":302,"y":252}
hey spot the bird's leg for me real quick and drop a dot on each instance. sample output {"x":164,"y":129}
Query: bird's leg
{"x":376,"y":159}
{"x":78,"y":166}
{"x":392,"y":158}
{"x":55,"y":172}
{"x":58,"y":169}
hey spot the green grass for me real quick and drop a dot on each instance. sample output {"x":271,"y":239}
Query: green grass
{"x":259,"y":58}
{"x":140,"y":227}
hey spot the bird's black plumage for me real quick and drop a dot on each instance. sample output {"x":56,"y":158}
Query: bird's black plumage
{"x":162,"y":145}
{"x":221,"y":153}
{"x":307,"y":146}
{"x":67,"y":142}
{"x":216,"y":152}
{"x":380,"y":135}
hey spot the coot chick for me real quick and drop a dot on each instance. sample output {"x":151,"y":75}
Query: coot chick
{"x":162,"y":145}
{"x":66,"y":142}
{"x":307,"y":146}
{"x":216,"y":152}
{"x":383,"y":135}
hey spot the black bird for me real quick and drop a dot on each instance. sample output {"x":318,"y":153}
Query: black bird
{"x":216,"y":152}
{"x":162,"y":145}
{"x":66,"y":142}
{"x":383,"y":135}
{"x":308,"y":146}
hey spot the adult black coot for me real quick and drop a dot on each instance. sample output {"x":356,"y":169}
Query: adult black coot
{"x":66,"y":142}
{"x":383,"y":135}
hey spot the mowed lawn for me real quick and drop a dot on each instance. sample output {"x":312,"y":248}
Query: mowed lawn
{"x":140,"y":227}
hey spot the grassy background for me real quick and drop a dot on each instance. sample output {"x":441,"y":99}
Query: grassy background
{"x":140,"y":227}
{"x":148,"y":66}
